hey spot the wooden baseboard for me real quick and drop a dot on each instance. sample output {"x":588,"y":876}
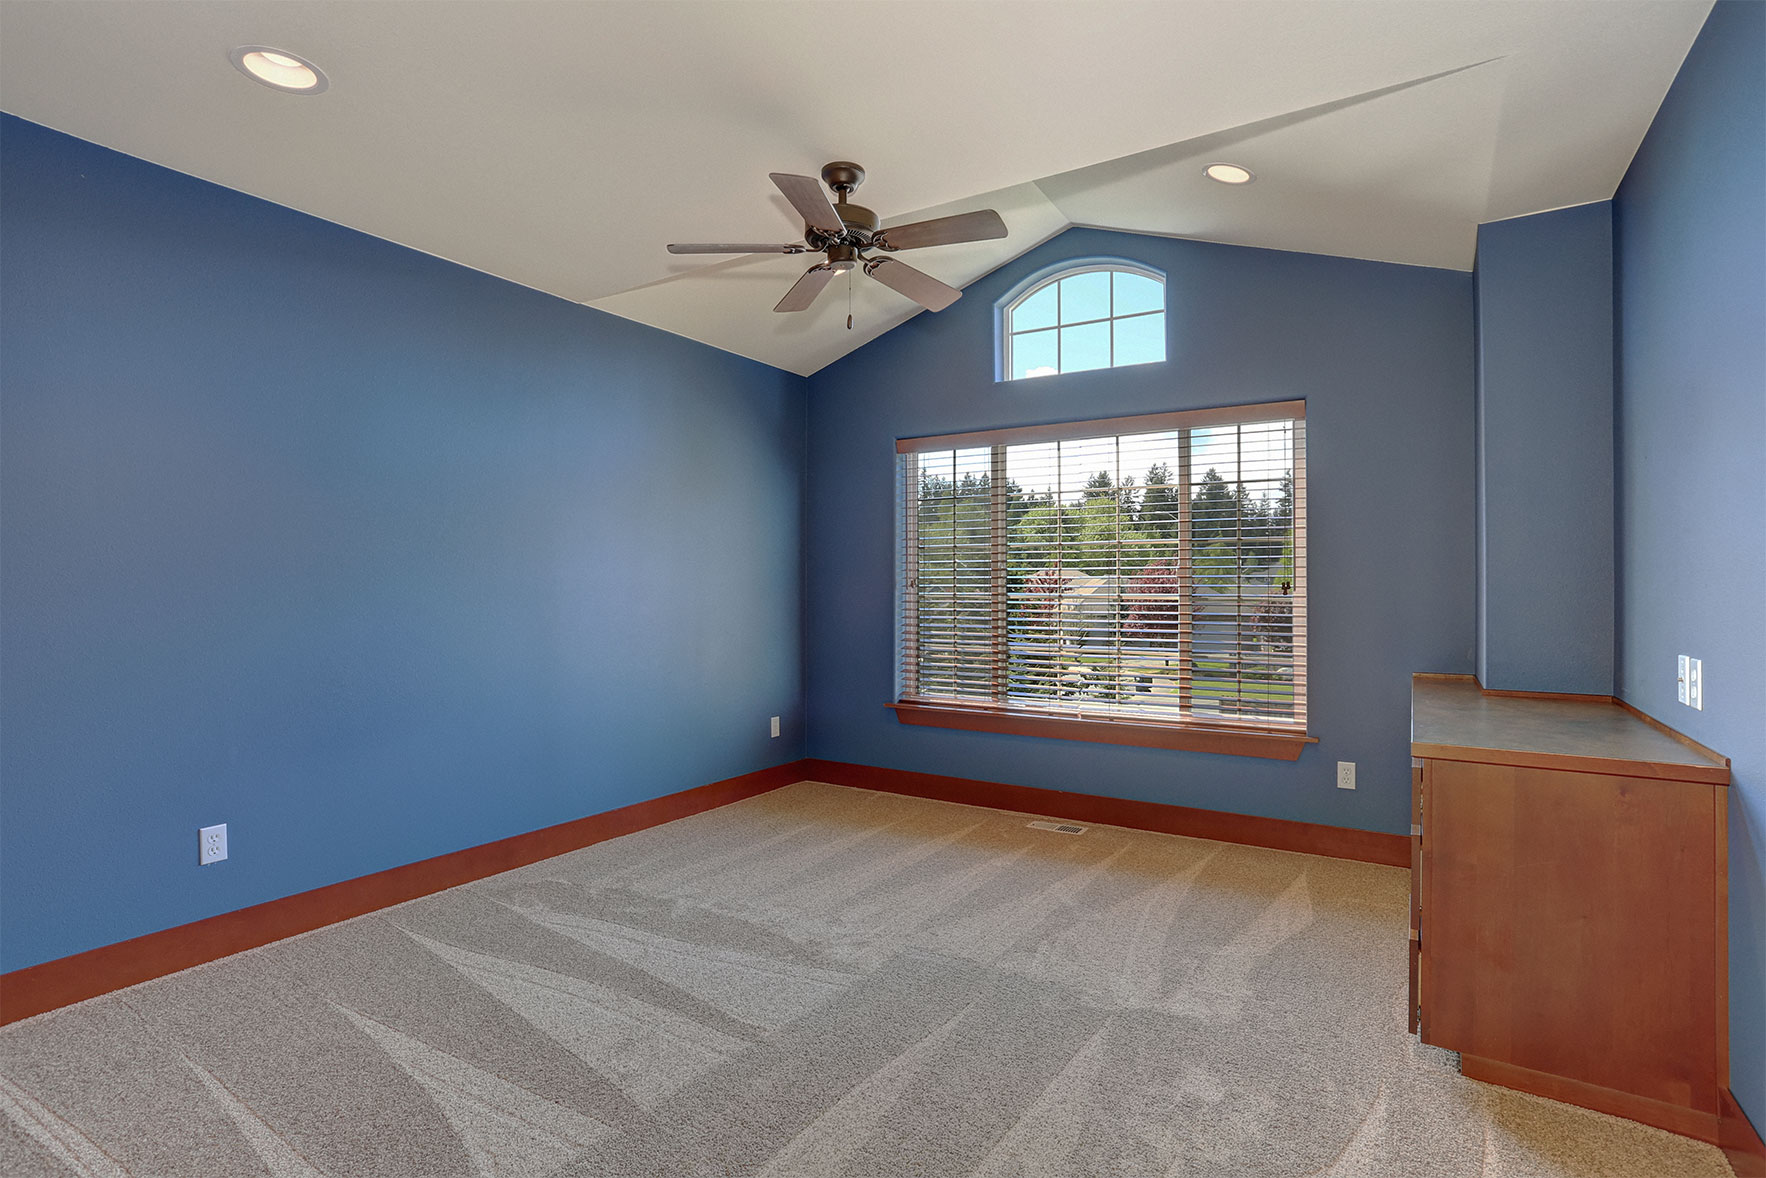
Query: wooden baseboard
{"x":1688,"y":1122}
{"x":38,"y":988}
{"x":1738,"y":1138}
{"x":1337,"y":842}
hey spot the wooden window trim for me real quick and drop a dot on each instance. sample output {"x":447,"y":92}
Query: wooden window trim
{"x":1237,"y":741}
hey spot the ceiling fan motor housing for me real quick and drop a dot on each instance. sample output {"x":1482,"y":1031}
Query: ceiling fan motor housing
{"x":859,"y":222}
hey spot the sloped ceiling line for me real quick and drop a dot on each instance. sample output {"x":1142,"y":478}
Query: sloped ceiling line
{"x":1069,"y":184}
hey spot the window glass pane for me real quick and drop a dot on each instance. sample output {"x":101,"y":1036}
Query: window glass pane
{"x":1035,"y":583}
{"x":1216,"y":448}
{"x":1140,"y":340}
{"x":1034,"y":469}
{"x":1136,"y":293}
{"x":1084,"y":348}
{"x":1085,"y":296}
{"x":952,"y":559}
{"x":1033,"y":354}
{"x":1036,"y":311}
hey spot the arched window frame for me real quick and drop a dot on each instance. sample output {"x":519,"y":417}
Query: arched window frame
{"x":1006,"y":307}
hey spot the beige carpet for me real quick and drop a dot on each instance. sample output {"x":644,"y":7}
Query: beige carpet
{"x":819,"y":981}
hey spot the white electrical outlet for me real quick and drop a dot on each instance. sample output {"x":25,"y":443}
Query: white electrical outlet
{"x":211,"y":844}
{"x":1695,"y":684}
{"x":1680,"y":675}
{"x":1345,"y":774}
{"x":775,"y":726}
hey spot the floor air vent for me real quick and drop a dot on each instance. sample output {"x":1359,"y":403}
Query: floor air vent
{"x":1062,"y":827}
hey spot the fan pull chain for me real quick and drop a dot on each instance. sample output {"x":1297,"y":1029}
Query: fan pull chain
{"x":849,"y":300}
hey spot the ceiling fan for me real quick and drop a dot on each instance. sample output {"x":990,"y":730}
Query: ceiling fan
{"x":846,"y":233}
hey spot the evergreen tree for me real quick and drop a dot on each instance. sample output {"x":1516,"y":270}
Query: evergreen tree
{"x":1214,"y":511}
{"x":1161,"y":504}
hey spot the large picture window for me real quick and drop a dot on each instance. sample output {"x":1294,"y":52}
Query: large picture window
{"x":1141,"y":580}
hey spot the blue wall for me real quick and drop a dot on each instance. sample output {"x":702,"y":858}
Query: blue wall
{"x":1691,"y":247}
{"x":370,"y":556}
{"x":1383,"y":356}
{"x":1545,"y":452}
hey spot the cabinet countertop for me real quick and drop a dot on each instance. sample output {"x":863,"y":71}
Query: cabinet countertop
{"x":1452,"y":718}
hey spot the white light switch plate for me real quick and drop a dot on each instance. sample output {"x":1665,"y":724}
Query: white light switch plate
{"x":211,"y":844}
{"x":775,"y":726}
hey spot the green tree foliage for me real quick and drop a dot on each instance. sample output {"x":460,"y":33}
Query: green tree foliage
{"x":1214,"y":511}
{"x":1083,"y":536}
{"x":1161,"y":504}
{"x":1236,"y":532}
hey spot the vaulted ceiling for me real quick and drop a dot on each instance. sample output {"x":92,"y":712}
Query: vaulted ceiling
{"x":562,"y":144}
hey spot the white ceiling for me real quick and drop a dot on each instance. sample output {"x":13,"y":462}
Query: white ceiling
{"x":562,"y":144}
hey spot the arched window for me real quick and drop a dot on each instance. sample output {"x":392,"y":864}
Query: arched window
{"x":1095,"y":315}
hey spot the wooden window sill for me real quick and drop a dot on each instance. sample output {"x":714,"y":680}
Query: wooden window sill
{"x":1227,"y":739}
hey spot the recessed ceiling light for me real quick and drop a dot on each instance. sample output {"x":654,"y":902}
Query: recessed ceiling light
{"x":1228,"y":173}
{"x":278,"y":69}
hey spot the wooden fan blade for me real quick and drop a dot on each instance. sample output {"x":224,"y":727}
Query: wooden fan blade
{"x":982,"y":225}
{"x":805,"y":290}
{"x":810,"y":200}
{"x":732,"y":247}
{"x":915,"y":284}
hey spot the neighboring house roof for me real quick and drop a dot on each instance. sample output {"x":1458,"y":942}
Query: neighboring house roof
{"x":1081,"y":589}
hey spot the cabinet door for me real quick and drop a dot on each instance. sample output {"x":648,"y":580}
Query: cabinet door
{"x":1571,"y":926}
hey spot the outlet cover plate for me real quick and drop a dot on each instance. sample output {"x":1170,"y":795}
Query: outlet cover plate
{"x":211,"y":844}
{"x":1345,"y":774}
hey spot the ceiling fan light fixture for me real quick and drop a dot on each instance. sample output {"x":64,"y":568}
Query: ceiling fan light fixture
{"x":1229,"y":173}
{"x":279,"y":69}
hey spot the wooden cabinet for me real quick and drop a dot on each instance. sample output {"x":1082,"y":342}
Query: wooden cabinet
{"x":1568,"y":901}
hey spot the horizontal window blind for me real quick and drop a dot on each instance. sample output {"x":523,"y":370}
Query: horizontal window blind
{"x":1147,"y":569}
